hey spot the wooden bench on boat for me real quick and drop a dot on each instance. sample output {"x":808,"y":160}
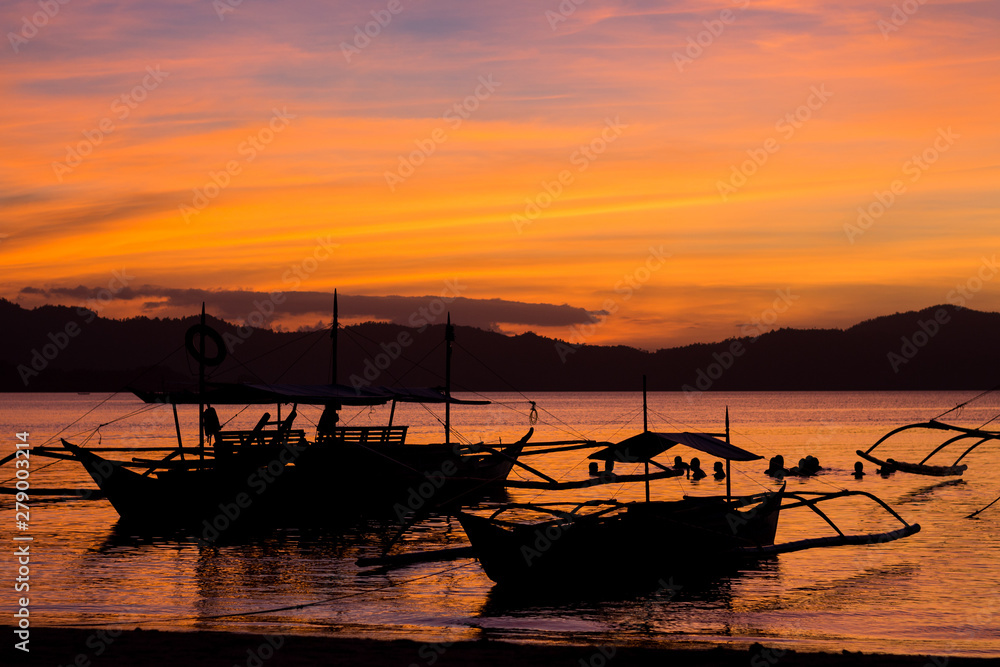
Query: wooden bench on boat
{"x":258,"y":437}
{"x":228,"y":442}
{"x":364,"y":435}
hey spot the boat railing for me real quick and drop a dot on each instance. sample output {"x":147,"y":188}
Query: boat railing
{"x":556,"y":509}
{"x":224,"y":439}
{"x":376,"y":435}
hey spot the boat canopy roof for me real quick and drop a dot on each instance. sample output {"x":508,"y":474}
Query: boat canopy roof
{"x":303,"y":394}
{"x":647,"y":445}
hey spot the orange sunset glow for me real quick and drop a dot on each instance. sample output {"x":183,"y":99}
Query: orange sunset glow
{"x":672,"y":168}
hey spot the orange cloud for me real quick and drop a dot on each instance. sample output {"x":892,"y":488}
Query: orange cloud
{"x":420,"y":174}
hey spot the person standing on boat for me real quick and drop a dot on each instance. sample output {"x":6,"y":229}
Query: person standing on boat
{"x":212,"y":425}
{"x":211,"y":421}
{"x":329,"y":419}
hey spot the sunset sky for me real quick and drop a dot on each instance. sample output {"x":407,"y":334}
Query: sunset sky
{"x":684,"y":167}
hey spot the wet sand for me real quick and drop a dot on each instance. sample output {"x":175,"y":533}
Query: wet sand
{"x":86,"y":647}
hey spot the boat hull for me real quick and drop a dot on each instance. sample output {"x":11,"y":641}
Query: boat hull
{"x":435,"y":473}
{"x":642,"y":541}
{"x":223,"y":494}
{"x":300,"y":484}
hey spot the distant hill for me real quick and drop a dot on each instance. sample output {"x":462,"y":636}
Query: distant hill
{"x":58,"y":348}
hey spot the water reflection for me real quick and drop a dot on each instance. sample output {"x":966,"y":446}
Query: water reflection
{"x":927,"y":493}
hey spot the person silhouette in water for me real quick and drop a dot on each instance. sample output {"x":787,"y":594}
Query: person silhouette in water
{"x":859,"y":470}
{"x":696,"y":471}
{"x":719,"y":472}
{"x":679,"y":465}
{"x":776,"y":468}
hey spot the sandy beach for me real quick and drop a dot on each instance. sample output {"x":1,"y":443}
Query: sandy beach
{"x":84,"y":647}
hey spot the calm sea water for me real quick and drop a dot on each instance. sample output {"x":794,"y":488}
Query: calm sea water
{"x":935,"y":592}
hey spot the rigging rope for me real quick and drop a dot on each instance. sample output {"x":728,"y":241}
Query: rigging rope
{"x":568,"y":429}
{"x":978,"y":512}
{"x":565,"y":473}
{"x":962,"y":405}
{"x":112,"y":395}
{"x":413,"y":364}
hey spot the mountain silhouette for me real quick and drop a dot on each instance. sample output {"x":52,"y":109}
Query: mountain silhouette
{"x":60,"y":348}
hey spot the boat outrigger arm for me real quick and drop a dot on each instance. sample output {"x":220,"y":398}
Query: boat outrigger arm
{"x":810,"y":499}
{"x":964,"y":433}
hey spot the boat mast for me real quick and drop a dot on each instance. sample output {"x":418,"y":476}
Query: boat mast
{"x":201,"y":387}
{"x":449,"y":338}
{"x":333,"y":341}
{"x":645,"y":429}
{"x":729,"y":472}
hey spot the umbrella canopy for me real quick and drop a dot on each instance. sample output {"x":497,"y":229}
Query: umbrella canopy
{"x":647,"y":445}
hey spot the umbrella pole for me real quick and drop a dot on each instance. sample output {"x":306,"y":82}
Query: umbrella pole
{"x":729,"y":472}
{"x":645,"y":428}
{"x":645,"y":417}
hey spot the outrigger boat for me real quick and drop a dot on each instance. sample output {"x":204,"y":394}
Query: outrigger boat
{"x":274,"y":469}
{"x":978,"y":435}
{"x":550,"y":545}
{"x":557,"y":544}
{"x":276,"y":462}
